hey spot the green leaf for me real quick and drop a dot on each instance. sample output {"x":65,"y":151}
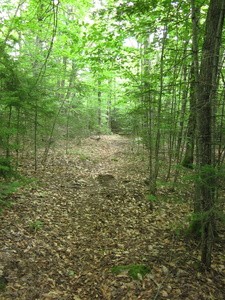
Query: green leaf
{"x":71,"y":273}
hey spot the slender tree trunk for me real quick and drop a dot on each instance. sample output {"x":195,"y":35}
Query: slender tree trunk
{"x":35,"y":134}
{"x":181,"y":133}
{"x":67,"y":131}
{"x":189,"y":153}
{"x":220,"y":137}
{"x":154,"y":174}
{"x":99,"y":97}
{"x":18,"y":137}
{"x":99,"y":107}
{"x":188,"y":159}
{"x":183,"y":110}
{"x":147,"y":99}
{"x":109,"y":105}
{"x":8,"y":134}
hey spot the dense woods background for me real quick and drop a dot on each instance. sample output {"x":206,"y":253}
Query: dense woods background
{"x":152,"y":70}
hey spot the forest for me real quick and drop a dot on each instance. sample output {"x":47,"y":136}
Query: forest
{"x":112,"y":149}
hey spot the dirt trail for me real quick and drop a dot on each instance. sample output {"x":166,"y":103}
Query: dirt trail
{"x":87,"y":213}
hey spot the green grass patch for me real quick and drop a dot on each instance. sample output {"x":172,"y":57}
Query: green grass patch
{"x":114,"y":159}
{"x":135,"y":271}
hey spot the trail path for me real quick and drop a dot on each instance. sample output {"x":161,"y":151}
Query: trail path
{"x":94,"y":215}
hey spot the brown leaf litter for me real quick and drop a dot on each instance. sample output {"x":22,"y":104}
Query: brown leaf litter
{"x":88,"y":212}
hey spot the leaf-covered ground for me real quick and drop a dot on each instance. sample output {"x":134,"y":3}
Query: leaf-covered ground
{"x":87,"y":213}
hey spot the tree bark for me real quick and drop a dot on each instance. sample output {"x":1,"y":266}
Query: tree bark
{"x":189,"y":154}
{"x":205,"y":101}
{"x":155,"y":170}
{"x":188,"y":159}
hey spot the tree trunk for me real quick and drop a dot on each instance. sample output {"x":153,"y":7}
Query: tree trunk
{"x":99,"y":107}
{"x":8,"y":133}
{"x":155,"y":171}
{"x":206,"y":97}
{"x":189,"y":154}
{"x":188,"y":159}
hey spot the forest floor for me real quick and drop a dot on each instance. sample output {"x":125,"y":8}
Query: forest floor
{"x":88,"y":212}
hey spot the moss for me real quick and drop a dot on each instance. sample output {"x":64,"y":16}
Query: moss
{"x":114,"y":159}
{"x":135,"y":271}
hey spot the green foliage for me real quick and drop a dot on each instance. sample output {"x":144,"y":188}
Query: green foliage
{"x":7,"y":188}
{"x":35,"y":226}
{"x":195,"y":225}
{"x":205,"y":175}
{"x":71,"y":273}
{"x":135,"y":271}
{"x":152,"y":198}
{"x":5,"y":167}
{"x":84,"y":158}
{"x":197,"y":221}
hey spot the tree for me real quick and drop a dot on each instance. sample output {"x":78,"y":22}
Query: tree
{"x":206,"y":98}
